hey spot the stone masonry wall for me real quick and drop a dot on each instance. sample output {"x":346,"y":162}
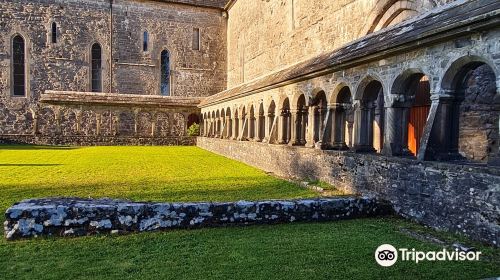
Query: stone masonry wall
{"x":76,"y":217}
{"x":65,"y":65}
{"x":264,"y":36}
{"x":458,"y":198}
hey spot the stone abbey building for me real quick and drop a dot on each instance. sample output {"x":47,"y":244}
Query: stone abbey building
{"x":395,"y":98}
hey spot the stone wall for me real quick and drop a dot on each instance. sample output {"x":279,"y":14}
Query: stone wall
{"x":264,"y":36}
{"x":459,"y":198}
{"x":76,"y":217}
{"x":65,"y":65}
{"x":82,"y":140}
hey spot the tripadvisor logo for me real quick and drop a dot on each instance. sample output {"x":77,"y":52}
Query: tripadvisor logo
{"x":387,"y":255}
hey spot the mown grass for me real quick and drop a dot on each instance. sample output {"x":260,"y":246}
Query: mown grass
{"x":336,"y":250}
{"x":138,"y":173}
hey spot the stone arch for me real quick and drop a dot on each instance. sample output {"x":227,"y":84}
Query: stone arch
{"x":333,"y":97}
{"x":299,"y":120}
{"x":236,"y":123}
{"x":342,"y":116}
{"x":466,"y":124}
{"x":261,"y":122}
{"x":243,"y":126}
{"x":178,"y":125}
{"x":217,"y":123}
{"x":192,"y":119}
{"x":68,"y":122}
{"x":369,"y":116}
{"x":88,"y":123}
{"x":408,"y":112}
{"x":229,"y":123}
{"x":359,"y":89}
{"x":271,"y":117}
{"x":47,"y":122}
{"x":251,"y":124}
{"x":144,"y":124}
{"x":126,"y":123}
{"x":460,"y":66}
{"x":318,"y":107}
{"x":162,"y":124}
{"x":299,"y":95}
{"x":284,"y":123}
{"x":390,"y":12}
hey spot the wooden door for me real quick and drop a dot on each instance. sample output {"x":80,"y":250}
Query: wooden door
{"x":418,"y":115}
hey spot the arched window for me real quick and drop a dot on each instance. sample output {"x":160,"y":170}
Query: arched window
{"x":165,"y":73}
{"x":196,"y":39}
{"x":96,"y":68}
{"x":18,"y":66}
{"x":145,"y":41}
{"x":53,"y":34}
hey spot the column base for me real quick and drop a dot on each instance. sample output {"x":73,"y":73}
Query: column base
{"x":364,"y":149}
{"x":295,"y":143}
{"x":340,"y":146}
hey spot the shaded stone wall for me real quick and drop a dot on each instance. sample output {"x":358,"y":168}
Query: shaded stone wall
{"x":478,"y":131}
{"x":458,"y":198}
{"x":77,"y":217}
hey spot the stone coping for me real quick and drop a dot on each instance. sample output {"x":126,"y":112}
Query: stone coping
{"x":115,"y":99}
{"x":79,"y":217}
{"x":219,"y":4}
{"x":448,"y":21}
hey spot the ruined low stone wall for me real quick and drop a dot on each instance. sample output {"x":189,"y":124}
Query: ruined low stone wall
{"x":463,"y":199}
{"x":80,"y":140}
{"x":77,"y":217}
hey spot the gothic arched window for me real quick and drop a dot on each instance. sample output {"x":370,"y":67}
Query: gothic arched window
{"x":18,"y":66}
{"x":53,"y":33}
{"x":165,"y":73}
{"x":96,"y":62}
{"x":145,"y":41}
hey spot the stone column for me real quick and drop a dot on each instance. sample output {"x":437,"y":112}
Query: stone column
{"x":326,"y":126}
{"x":303,"y":126}
{"x":392,"y":141}
{"x":251,"y":128}
{"x":338,"y":124}
{"x":295,"y":118}
{"x":226,"y":127}
{"x":405,"y":150}
{"x":153,"y":125}
{"x":57,"y":115}
{"x":114,"y":122}
{"x":364,"y":128}
{"x":79,"y":121}
{"x":310,"y":127}
{"x":235,"y":128}
{"x":257,"y":129}
{"x":35,"y":123}
{"x":98,"y":116}
{"x":135,"y":121}
{"x":268,"y":125}
{"x":281,"y":128}
{"x":438,"y":129}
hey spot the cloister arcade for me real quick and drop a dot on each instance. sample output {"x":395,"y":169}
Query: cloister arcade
{"x":451,"y":114}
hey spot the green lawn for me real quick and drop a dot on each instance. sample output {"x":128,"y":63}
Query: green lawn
{"x":336,"y":250}
{"x":138,"y":173}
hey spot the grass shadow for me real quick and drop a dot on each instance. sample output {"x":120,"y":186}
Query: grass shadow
{"x":34,"y":147}
{"x":27,"y":164}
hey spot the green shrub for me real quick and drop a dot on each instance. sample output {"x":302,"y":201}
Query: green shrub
{"x":194,"y":130}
